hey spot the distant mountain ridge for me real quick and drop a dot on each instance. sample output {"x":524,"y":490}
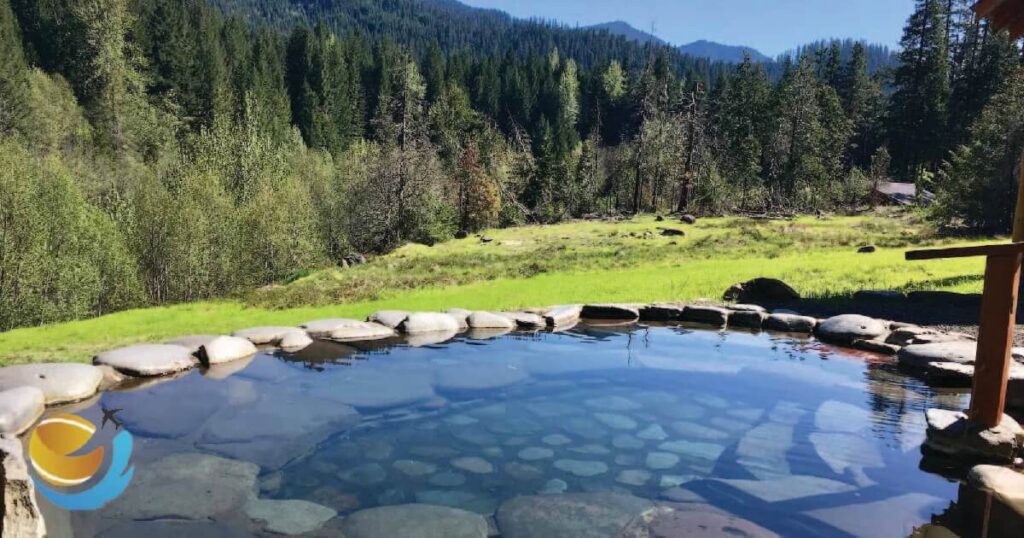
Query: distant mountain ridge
{"x":699,"y":49}
{"x":627,"y":31}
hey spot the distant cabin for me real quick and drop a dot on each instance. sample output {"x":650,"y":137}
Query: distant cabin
{"x":905,"y":194}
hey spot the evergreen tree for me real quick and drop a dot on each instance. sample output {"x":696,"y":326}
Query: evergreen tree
{"x":13,"y":73}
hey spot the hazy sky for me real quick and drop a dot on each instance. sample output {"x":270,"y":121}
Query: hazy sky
{"x":771,"y":26}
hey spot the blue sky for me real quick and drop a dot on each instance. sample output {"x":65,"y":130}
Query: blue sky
{"x":771,"y":26}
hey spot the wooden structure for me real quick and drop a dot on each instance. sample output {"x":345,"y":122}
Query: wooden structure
{"x":1008,"y":14}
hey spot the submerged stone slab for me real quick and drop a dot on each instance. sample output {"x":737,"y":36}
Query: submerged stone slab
{"x":919,"y":356}
{"x":20,"y":513}
{"x":583,"y":468}
{"x":662,"y":312}
{"x":576,"y":515}
{"x":429,"y":322}
{"x":706,"y":315}
{"x":376,"y":389}
{"x":563,"y":315}
{"x":692,"y":521}
{"x":414,"y":521}
{"x":173,"y":529}
{"x":389,"y":318}
{"x":167,"y":488}
{"x":1005,"y":483}
{"x":225,"y":349}
{"x":613,"y":312}
{"x":60,"y":383}
{"x":849,"y":327}
{"x":20,"y":408}
{"x":845,"y":451}
{"x":488,"y":320}
{"x":788,"y":488}
{"x":147,"y":360}
{"x":953,"y":434}
{"x":790,"y":323}
{"x":288,"y":517}
{"x":478,"y":376}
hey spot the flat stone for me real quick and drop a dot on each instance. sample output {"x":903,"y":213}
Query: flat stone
{"x":358,"y":331}
{"x":536,"y":453}
{"x":693,"y":430}
{"x":661,"y":460}
{"x":747,"y":319}
{"x":414,"y":468}
{"x":60,"y":382}
{"x":692,"y":521}
{"x":483,"y":376}
{"x":698,"y":455}
{"x":288,"y":517}
{"x":369,"y":474}
{"x":554,"y":486}
{"x":20,"y":408}
{"x":1005,"y":483}
{"x":145,"y":414}
{"x":462,"y":500}
{"x":919,"y":356}
{"x":610,"y":312}
{"x":577,"y":515}
{"x":429,"y":322}
{"x":295,"y":341}
{"x":584,"y":468}
{"x":447,"y":480}
{"x":706,"y":315}
{"x":763,"y":450}
{"x":556,"y":439}
{"x":910,"y":335}
{"x":584,"y":427}
{"x":389,"y":318}
{"x":439,"y":337}
{"x":193,"y":342}
{"x":225,"y":349}
{"x":21,"y":515}
{"x":591,"y":449}
{"x":522,"y":471}
{"x":788,"y":488}
{"x":681,"y":495}
{"x":461,"y":315}
{"x":166,"y":488}
{"x":612,"y":403}
{"x":762,"y":290}
{"x":790,"y":323}
{"x":627,"y":442}
{"x":654,"y":432}
{"x":561,"y":316}
{"x":265,"y":336}
{"x":661,"y":312}
{"x":414,"y":521}
{"x":875,"y":346}
{"x":953,"y":434}
{"x":526,"y":320}
{"x":616,"y":421}
{"x":633,"y":477}
{"x":147,"y":360}
{"x":488,"y":320}
{"x":364,"y":388}
{"x":473,"y":464}
{"x":894,"y":516}
{"x":748,"y":308}
{"x":849,"y":327}
{"x":172,"y":529}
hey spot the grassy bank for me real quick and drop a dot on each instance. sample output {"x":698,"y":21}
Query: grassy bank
{"x":544,"y":265}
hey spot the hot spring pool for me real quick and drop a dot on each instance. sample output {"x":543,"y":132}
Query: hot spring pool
{"x":573,"y":434}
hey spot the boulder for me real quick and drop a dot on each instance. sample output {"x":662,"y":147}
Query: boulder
{"x":294,"y":341}
{"x":322,"y":328}
{"x":692,"y":521}
{"x":266,"y":336}
{"x":611,"y":312}
{"x":875,"y":346}
{"x":867,"y":249}
{"x":1005,"y":483}
{"x":360,"y":331}
{"x":953,"y":434}
{"x":389,"y":318}
{"x":224,"y":349}
{"x":688,"y":219}
{"x":429,"y":322}
{"x":20,"y":408}
{"x":288,"y":517}
{"x":919,"y":356}
{"x":193,"y":342}
{"x":949,"y":374}
{"x":706,"y":315}
{"x":561,"y":316}
{"x":487,"y":320}
{"x":758,"y":290}
{"x":461,"y":315}
{"x":414,"y":521}
{"x":60,"y":382}
{"x":672,"y":232}
{"x":849,"y":327}
{"x":661,"y":312}
{"x":526,"y":320}
{"x":20,"y":513}
{"x":790,"y":323}
{"x":575,"y":515}
{"x":173,"y":529}
{"x":747,"y":319}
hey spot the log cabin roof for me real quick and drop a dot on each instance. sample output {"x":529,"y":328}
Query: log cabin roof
{"x":1004,"y":14}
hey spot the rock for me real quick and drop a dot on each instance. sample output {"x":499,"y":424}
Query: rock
{"x":893,"y":516}
{"x":476,"y":377}
{"x":414,"y":468}
{"x":166,"y":488}
{"x":429,"y":322}
{"x":554,"y":486}
{"x":347,"y":330}
{"x":523,"y":472}
{"x":584,"y":468}
{"x":487,"y":320}
{"x":612,"y":403}
{"x":953,"y":434}
{"x":577,"y":515}
{"x":462,"y":500}
{"x":224,"y":349}
{"x":1005,"y":483}
{"x":447,"y":480}
{"x":790,"y":323}
{"x":389,"y":318}
{"x":414,"y":521}
{"x":536,"y":453}
{"x":289,"y":517}
{"x":610,"y":312}
{"x":147,"y":360}
{"x":707,"y":315}
{"x":849,"y":327}
{"x":661,"y":312}
{"x":295,"y":341}
{"x":60,"y":382}
{"x":661,"y":460}
{"x":878,"y":295}
{"x":616,"y":421}
{"x":919,"y":356}
{"x":788,"y":488}
{"x":560,"y":316}
{"x":747,"y":319}
{"x":20,"y":513}
{"x":20,"y":408}
{"x":760,"y":290}
{"x":526,"y":320}
{"x":875,"y":346}
{"x":672,"y":232}
{"x":172,"y":529}
{"x":556,"y":439}
{"x":949,"y":374}
{"x":266,"y":336}
{"x":633,"y":477}
{"x":659,"y":218}
{"x":688,"y":219}
{"x":905,"y":336}
{"x":867,"y":249}
{"x":370,"y":389}
{"x":486,"y":239}
{"x":193,"y":342}
{"x":461,"y":315}
{"x":764,"y":450}
{"x":654,"y":432}
{"x":692,"y":430}
{"x":461,"y":234}
{"x":473,"y":464}
{"x":693,"y":521}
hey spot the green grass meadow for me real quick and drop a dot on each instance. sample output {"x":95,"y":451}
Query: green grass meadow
{"x":546,"y":265}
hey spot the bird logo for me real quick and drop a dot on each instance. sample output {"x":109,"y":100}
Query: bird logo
{"x":67,"y":459}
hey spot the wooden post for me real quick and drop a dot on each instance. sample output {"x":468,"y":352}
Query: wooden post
{"x":1018,"y":216}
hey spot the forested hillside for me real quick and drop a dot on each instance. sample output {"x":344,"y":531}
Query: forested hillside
{"x":157,"y":151}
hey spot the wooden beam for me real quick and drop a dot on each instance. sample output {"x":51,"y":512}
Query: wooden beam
{"x":995,"y":339}
{"x":999,"y":250}
{"x":1018,"y":216}
{"x":984,"y":7}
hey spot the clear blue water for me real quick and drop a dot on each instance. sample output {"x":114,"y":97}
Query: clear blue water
{"x":797,"y":437}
